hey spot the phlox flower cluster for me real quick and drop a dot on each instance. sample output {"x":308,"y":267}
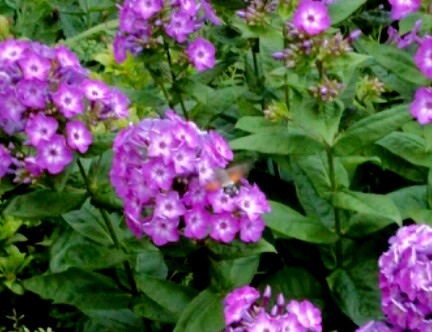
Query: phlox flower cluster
{"x":162,"y":169}
{"x":145,"y":23}
{"x":256,"y":10}
{"x":243,"y":313}
{"x":405,"y":282}
{"x":421,"y":107}
{"x":401,"y":8}
{"x":46,"y":95}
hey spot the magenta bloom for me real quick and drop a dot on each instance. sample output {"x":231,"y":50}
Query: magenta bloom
{"x":377,"y":326}
{"x":78,"y":136}
{"x":66,"y":58}
{"x":201,"y":54}
{"x":421,"y":107}
{"x":405,"y":279}
{"x":5,"y":160}
{"x":69,"y":100}
{"x":311,"y":17}
{"x":32,"y":93}
{"x":11,"y":51}
{"x":239,"y":301}
{"x":40,"y":128}
{"x":95,"y":90}
{"x":147,"y":8}
{"x":401,"y":8}
{"x":423,"y":57}
{"x":197,"y":223}
{"x":34,"y":66}
{"x":180,"y":26}
{"x":54,"y":154}
{"x":244,"y":313}
{"x":162,"y":230}
{"x":163,"y":170}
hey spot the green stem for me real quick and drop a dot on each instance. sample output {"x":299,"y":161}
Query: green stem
{"x":111,"y":230}
{"x":174,"y":78}
{"x":332,"y":175}
{"x":119,"y":246}
{"x":286,"y":88}
{"x":255,"y":51}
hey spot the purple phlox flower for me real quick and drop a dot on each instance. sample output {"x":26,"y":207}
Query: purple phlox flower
{"x":34,"y":66}
{"x":201,"y":54}
{"x":169,"y":206}
{"x":264,"y":322}
{"x":252,"y":201}
{"x":32,"y":93}
{"x":410,"y":37}
{"x":307,"y":314}
{"x":54,"y":154}
{"x":118,"y":104}
{"x":162,"y":231}
{"x":423,"y":57}
{"x":184,"y":160}
{"x":43,"y":50}
{"x":220,"y":146}
{"x":197,"y":223}
{"x":224,"y":227}
{"x":161,"y":143}
{"x":96,"y":90}
{"x":251,"y":230}
{"x":32,"y":166}
{"x":401,"y":8}
{"x":119,"y":48}
{"x":209,"y":13}
{"x":147,"y":8}
{"x":69,"y":100}
{"x":376,"y":326}
{"x":221,"y":202}
{"x":421,"y":107}
{"x":311,"y":17}
{"x":205,"y":169}
{"x":186,"y":134}
{"x":5,"y":160}
{"x":196,"y":196}
{"x":158,"y":174}
{"x":5,"y":81}
{"x":190,"y":7}
{"x":79,"y":136}
{"x":239,"y":301}
{"x":11,"y":111}
{"x":40,"y":128}
{"x":406,"y":278}
{"x":66,"y":57}
{"x":11,"y":51}
{"x":289,"y":323}
{"x":138,"y":185}
{"x":180,"y":26}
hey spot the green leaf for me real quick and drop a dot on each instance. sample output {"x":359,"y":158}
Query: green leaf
{"x":288,"y":223}
{"x":294,"y":283}
{"x":238,"y":248}
{"x":150,"y":264}
{"x":279,"y":141}
{"x":371,"y":129}
{"x":204,"y":313}
{"x":341,"y":10}
{"x":227,"y":274}
{"x":84,"y":290}
{"x":73,"y":250}
{"x":409,"y":147}
{"x":88,"y":222}
{"x":255,"y":124}
{"x":147,"y":308}
{"x":366,"y":203}
{"x":360,"y":224}
{"x":122,"y":320}
{"x":356,"y":291}
{"x":395,"y":60}
{"x":44,"y":203}
{"x":171,"y":296}
{"x":410,"y":201}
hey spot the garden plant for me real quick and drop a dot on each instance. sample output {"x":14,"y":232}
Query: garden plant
{"x":211,"y":165}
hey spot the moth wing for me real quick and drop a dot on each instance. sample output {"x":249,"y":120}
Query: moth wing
{"x":238,"y":172}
